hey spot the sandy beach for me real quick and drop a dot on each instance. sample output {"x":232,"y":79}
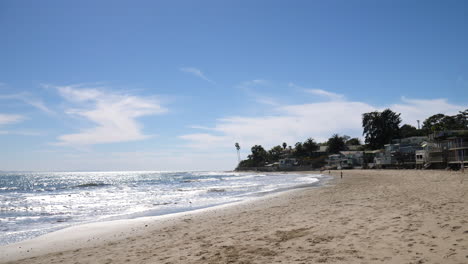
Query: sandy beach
{"x":369,"y":216}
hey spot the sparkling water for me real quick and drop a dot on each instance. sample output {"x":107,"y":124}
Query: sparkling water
{"x":35,"y":203}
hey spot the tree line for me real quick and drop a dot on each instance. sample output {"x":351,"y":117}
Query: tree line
{"x":379,"y":128}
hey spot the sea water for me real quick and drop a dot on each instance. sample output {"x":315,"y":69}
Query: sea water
{"x":35,"y":203}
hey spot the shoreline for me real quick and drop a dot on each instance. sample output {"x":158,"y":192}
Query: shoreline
{"x":369,"y":216}
{"x":95,"y":233}
{"x":181,"y":199}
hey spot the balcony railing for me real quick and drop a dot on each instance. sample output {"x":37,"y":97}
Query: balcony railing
{"x":435,"y":149}
{"x":457,"y":159}
{"x":458,"y":145}
{"x":435,"y":159}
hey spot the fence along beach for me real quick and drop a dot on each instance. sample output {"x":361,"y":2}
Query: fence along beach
{"x":374,"y":216}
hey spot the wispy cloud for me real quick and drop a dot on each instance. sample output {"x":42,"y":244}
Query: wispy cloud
{"x":250,"y":88}
{"x":6,"y":119}
{"x":291,"y":124}
{"x":201,"y":127}
{"x":21,"y":133}
{"x":114,"y":114}
{"x":197,"y":72}
{"x":319,"y":92}
{"x":329,"y":95}
{"x":419,"y":109}
{"x":253,"y":83}
{"x":266,"y":100}
{"x":28,"y":99}
{"x":162,"y":159}
{"x":204,"y":140}
{"x":296,"y":122}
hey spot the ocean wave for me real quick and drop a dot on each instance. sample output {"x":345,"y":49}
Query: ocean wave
{"x":91,"y":184}
{"x":200,"y":180}
{"x":80,"y":198}
{"x":243,"y":177}
{"x":307,"y":179}
{"x":23,"y":218}
{"x":8,"y":188}
{"x":217,"y":190}
{"x":217,"y":173}
{"x":186,"y":181}
{"x":62,"y":220}
{"x":159,"y":204}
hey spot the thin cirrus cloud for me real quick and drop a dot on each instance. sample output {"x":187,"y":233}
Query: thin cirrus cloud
{"x":417,"y":109}
{"x":21,"y":133}
{"x":6,"y":119}
{"x":291,"y":124}
{"x":319,"y":92}
{"x":28,"y":99}
{"x":114,"y":115}
{"x":9,"y":119}
{"x":319,"y":120}
{"x":196,"y":72}
{"x":249,"y":87}
{"x":326,"y":94}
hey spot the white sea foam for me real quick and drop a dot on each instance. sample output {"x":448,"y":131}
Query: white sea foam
{"x":307,"y":179}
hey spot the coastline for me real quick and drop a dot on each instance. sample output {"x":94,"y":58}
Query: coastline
{"x":394,"y":216}
{"x":95,"y":233}
{"x":82,"y":198}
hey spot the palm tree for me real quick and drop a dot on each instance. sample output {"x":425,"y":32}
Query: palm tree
{"x":238,"y":153}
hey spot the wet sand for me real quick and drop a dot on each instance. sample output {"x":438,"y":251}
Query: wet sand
{"x":369,"y":216}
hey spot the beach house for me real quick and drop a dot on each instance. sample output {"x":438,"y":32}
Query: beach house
{"x":400,"y":153}
{"x":445,"y":149}
{"x":287,"y":163}
{"x":345,"y":160}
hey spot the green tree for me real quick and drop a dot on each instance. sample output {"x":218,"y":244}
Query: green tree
{"x":353,"y":142}
{"x":246,"y":163}
{"x":310,"y":146}
{"x":434,"y":123}
{"x":410,"y":131}
{"x":299,"y":150}
{"x":274,"y":154}
{"x":284,"y":145}
{"x":440,"y":122}
{"x":336,"y":144}
{"x":462,"y":119}
{"x":259,"y":155}
{"x":380,"y":127}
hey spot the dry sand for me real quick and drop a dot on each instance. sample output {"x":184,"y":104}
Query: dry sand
{"x":388,"y":216}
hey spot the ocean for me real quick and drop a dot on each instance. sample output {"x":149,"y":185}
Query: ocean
{"x":35,"y":203}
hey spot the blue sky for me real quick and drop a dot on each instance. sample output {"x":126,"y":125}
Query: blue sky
{"x":172,"y":85}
